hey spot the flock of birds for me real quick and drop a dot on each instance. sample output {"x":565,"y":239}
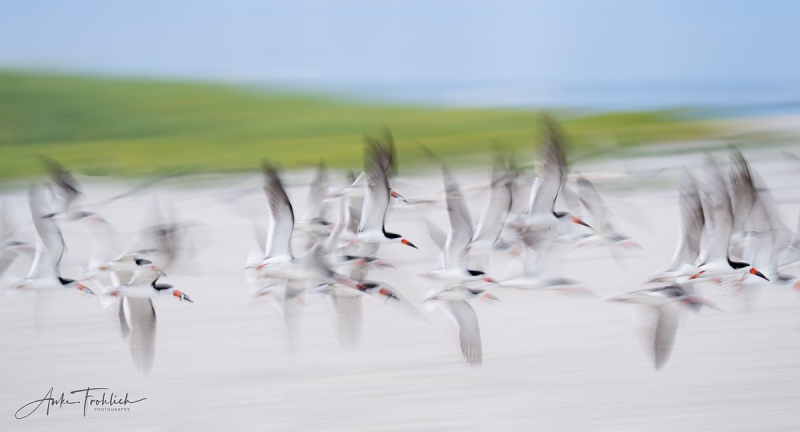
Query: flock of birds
{"x":127,"y":276}
{"x":731,"y":236}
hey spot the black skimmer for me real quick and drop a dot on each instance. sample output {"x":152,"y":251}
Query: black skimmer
{"x":45,"y":273}
{"x":692,"y":221}
{"x":765,"y":241}
{"x":279,"y":262}
{"x":714,"y":258}
{"x":661,"y":305}
{"x":145,"y":289}
{"x":541,"y":214}
{"x":131,"y":268}
{"x":281,"y":221}
{"x":543,"y":267}
{"x":371,"y":228}
{"x":347,"y":306}
{"x":456,"y":245}
{"x":605,"y":233}
{"x":137,"y":316}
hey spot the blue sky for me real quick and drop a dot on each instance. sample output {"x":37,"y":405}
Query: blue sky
{"x":360,"y":40}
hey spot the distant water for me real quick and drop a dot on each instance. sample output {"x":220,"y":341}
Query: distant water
{"x":717,"y":97}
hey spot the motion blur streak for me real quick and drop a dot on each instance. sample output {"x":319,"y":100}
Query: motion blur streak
{"x":735,"y":254}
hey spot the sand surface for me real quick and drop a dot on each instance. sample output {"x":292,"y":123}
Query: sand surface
{"x":551,"y":362}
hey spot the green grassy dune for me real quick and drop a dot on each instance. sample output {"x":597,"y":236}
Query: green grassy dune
{"x":138,"y":127}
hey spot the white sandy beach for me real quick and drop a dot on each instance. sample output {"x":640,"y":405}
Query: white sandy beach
{"x":551,"y":362}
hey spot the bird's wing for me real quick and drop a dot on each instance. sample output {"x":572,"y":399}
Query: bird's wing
{"x":593,"y":202}
{"x":47,"y":229}
{"x":758,"y":247}
{"x":330,"y":245}
{"x":160,"y":233}
{"x":791,"y":255}
{"x":718,"y":215}
{"x":142,"y":333}
{"x":551,"y":170}
{"x":260,"y":236}
{"x":400,"y":302}
{"x":376,"y":198}
{"x":292,"y":307}
{"x":656,"y":325}
{"x":666,"y":327}
{"x":8,"y":254}
{"x":281,"y":222}
{"x":499,"y":204}
{"x":354,"y":206}
{"x":388,"y":155}
{"x":742,"y":189}
{"x":8,"y":223}
{"x":124,"y":327}
{"x":6,"y":259}
{"x":68,"y":187}
{"x":358,"y":273}
{"x":692,"y":221}
{"x":455,"y":248}
{"x":544,"y":257}
{"x":348,"y":320}
{"x":105,"y":242}
{"x":316,"y":193}
{"x":42,"y":267}
{"x":568,"y":198}
{"x":764,"y":226}
{"x":438,"y":235}
{"x":469,"y":333}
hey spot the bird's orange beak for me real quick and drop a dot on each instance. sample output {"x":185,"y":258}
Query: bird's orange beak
{"x":755,"y":272}
{"x":181,"y":296}
{"x":388,"y":293}
{"x":694,"y":276}
{"x":408,"y":243}
{"x":489,"y":296}
{"x":578,"y":221}
{"x":84,"y":288}
{"x":398,"y":197}
{"x":155,"y":269}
